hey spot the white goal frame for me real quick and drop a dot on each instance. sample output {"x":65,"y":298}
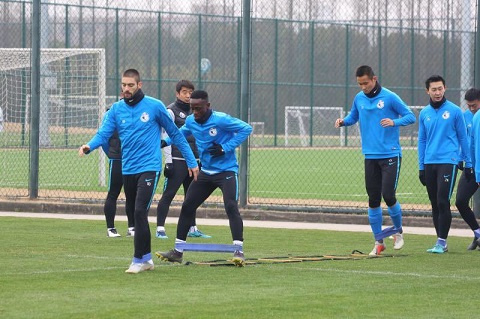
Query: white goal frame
{"x":49,"y":55}
{"x":300,"y":112}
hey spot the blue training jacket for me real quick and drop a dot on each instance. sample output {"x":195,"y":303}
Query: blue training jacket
{"x":476,"y":144}
{"x":442,"y":136}
{"x":139,"y":129}
{"x":468,"y":117}
{"x":222,"y":129}
{"x":380,"y":142}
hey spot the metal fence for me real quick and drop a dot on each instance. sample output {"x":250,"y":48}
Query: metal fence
{"x":303,"y":58}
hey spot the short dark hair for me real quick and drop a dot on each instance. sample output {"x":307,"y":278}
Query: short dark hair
{"x":132,"y":73}
{"x":472,"y":95}
{"x":184,"y":84}
{"x":434,"y":78}
{"x":364,"y":70}
{"x":199,"y":94}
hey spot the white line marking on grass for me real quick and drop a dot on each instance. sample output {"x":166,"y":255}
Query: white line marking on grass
{"x":390,"y":273}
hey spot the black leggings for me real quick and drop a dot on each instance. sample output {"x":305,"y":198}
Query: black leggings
{"x":139,"y":192}
{"x":115,"y":184}
{"x":170,"y":188}
{"x":200,"y":190}
{"x":465,"y":191}
{"x":440,"y":180}
{"x":381,"y":178}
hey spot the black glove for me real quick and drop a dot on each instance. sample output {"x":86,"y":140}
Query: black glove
{"x":421,"y":176}
{"x":469,"y":174}
{"x":216,"y":150}
{"x":163,"y":144}
{"x":168,"y":170}
{"x":460,"y":165}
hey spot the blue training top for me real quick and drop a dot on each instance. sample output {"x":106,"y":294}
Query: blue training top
{"x":441,"y":135}
{"x":139,"y":129}
{"x":468,"y":117}
{"x":380,"y":142}
{"x":222,"y":129}
{"x":476,"y":144}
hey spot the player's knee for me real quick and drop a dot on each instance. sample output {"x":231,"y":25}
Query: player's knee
{"x":461,"y":204}
{"x":390,"y":200}
{"x":443,"y":205}
{"x":374,"y":202}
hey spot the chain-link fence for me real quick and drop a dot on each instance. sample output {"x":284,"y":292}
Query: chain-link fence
{"x":303,"y":60}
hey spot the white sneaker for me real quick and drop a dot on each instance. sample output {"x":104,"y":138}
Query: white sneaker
{"x":131,"y":232}
{"x":377,"y":249}
{"x":112,"y":232}
{"x":398,"y":241}
{"x":135,"y":268}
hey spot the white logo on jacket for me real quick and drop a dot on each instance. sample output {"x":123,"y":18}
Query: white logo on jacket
{"x":380,"y":104}
{"x":144,"y":117}
{"x":446,"y":115}
{"x":212,"y":131}
{"x":182,"y":115}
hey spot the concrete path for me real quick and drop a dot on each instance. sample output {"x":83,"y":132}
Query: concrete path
{"x":250,"y":223}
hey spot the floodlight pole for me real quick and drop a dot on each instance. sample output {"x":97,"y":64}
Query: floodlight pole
{"x":245,"y":98}
{"x":35,"y":101}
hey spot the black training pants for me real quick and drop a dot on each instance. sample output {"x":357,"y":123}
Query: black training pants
{"x":139,"y":192}
{"x":440,"y":180}
{"x":381,"y":178}
{"x":200,"y":190}
{"x":115,"y":183}
{"x":465,"y":191}
{"x":170,"y":188}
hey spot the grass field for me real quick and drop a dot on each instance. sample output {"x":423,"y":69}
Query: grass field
{"x":286,"y":176}
{"x":69,"y":269}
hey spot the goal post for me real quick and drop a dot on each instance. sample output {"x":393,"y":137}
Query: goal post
{"x":313,"y":126}
{"x":72,"y":97}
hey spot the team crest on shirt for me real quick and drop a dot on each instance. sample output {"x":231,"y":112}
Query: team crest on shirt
{"x":446,"y":115}
{"x":144,"y":117}
{"x":212,"y":131}
{"x":380,"y":104}
{"x":182,"y":115}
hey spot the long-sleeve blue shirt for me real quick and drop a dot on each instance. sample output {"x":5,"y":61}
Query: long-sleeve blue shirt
{"x":222,"y":129}
{"x":139,"y":128}
{"x":468,"y":117}
{"x":442,"y":136}
{"x":377,"y":141}
{"x":476,"y":144}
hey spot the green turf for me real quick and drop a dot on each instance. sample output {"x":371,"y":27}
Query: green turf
{"x":284,"y":175}
{"x":70,"y":269}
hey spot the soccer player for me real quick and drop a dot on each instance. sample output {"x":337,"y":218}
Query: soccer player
{"x":217,"y":136}
{"x":466,"y":188}
{"x":139,"y":120}
{"x":176,"y":170}
{"x":441,"y":134}
{"x":380,"y":112}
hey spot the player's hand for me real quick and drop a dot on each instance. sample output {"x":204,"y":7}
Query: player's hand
{"x":193,"y":172}
{"x":469,"y":174}
{"x":216,"y":150}
{"x":460,"y":165}
{"x":387,"y":122}
{"x":339,"y":123}
{"x":421,"y":177}
{"x":168,"y":170}
{"x":84,"y":149}
{"x":163,"y":144}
